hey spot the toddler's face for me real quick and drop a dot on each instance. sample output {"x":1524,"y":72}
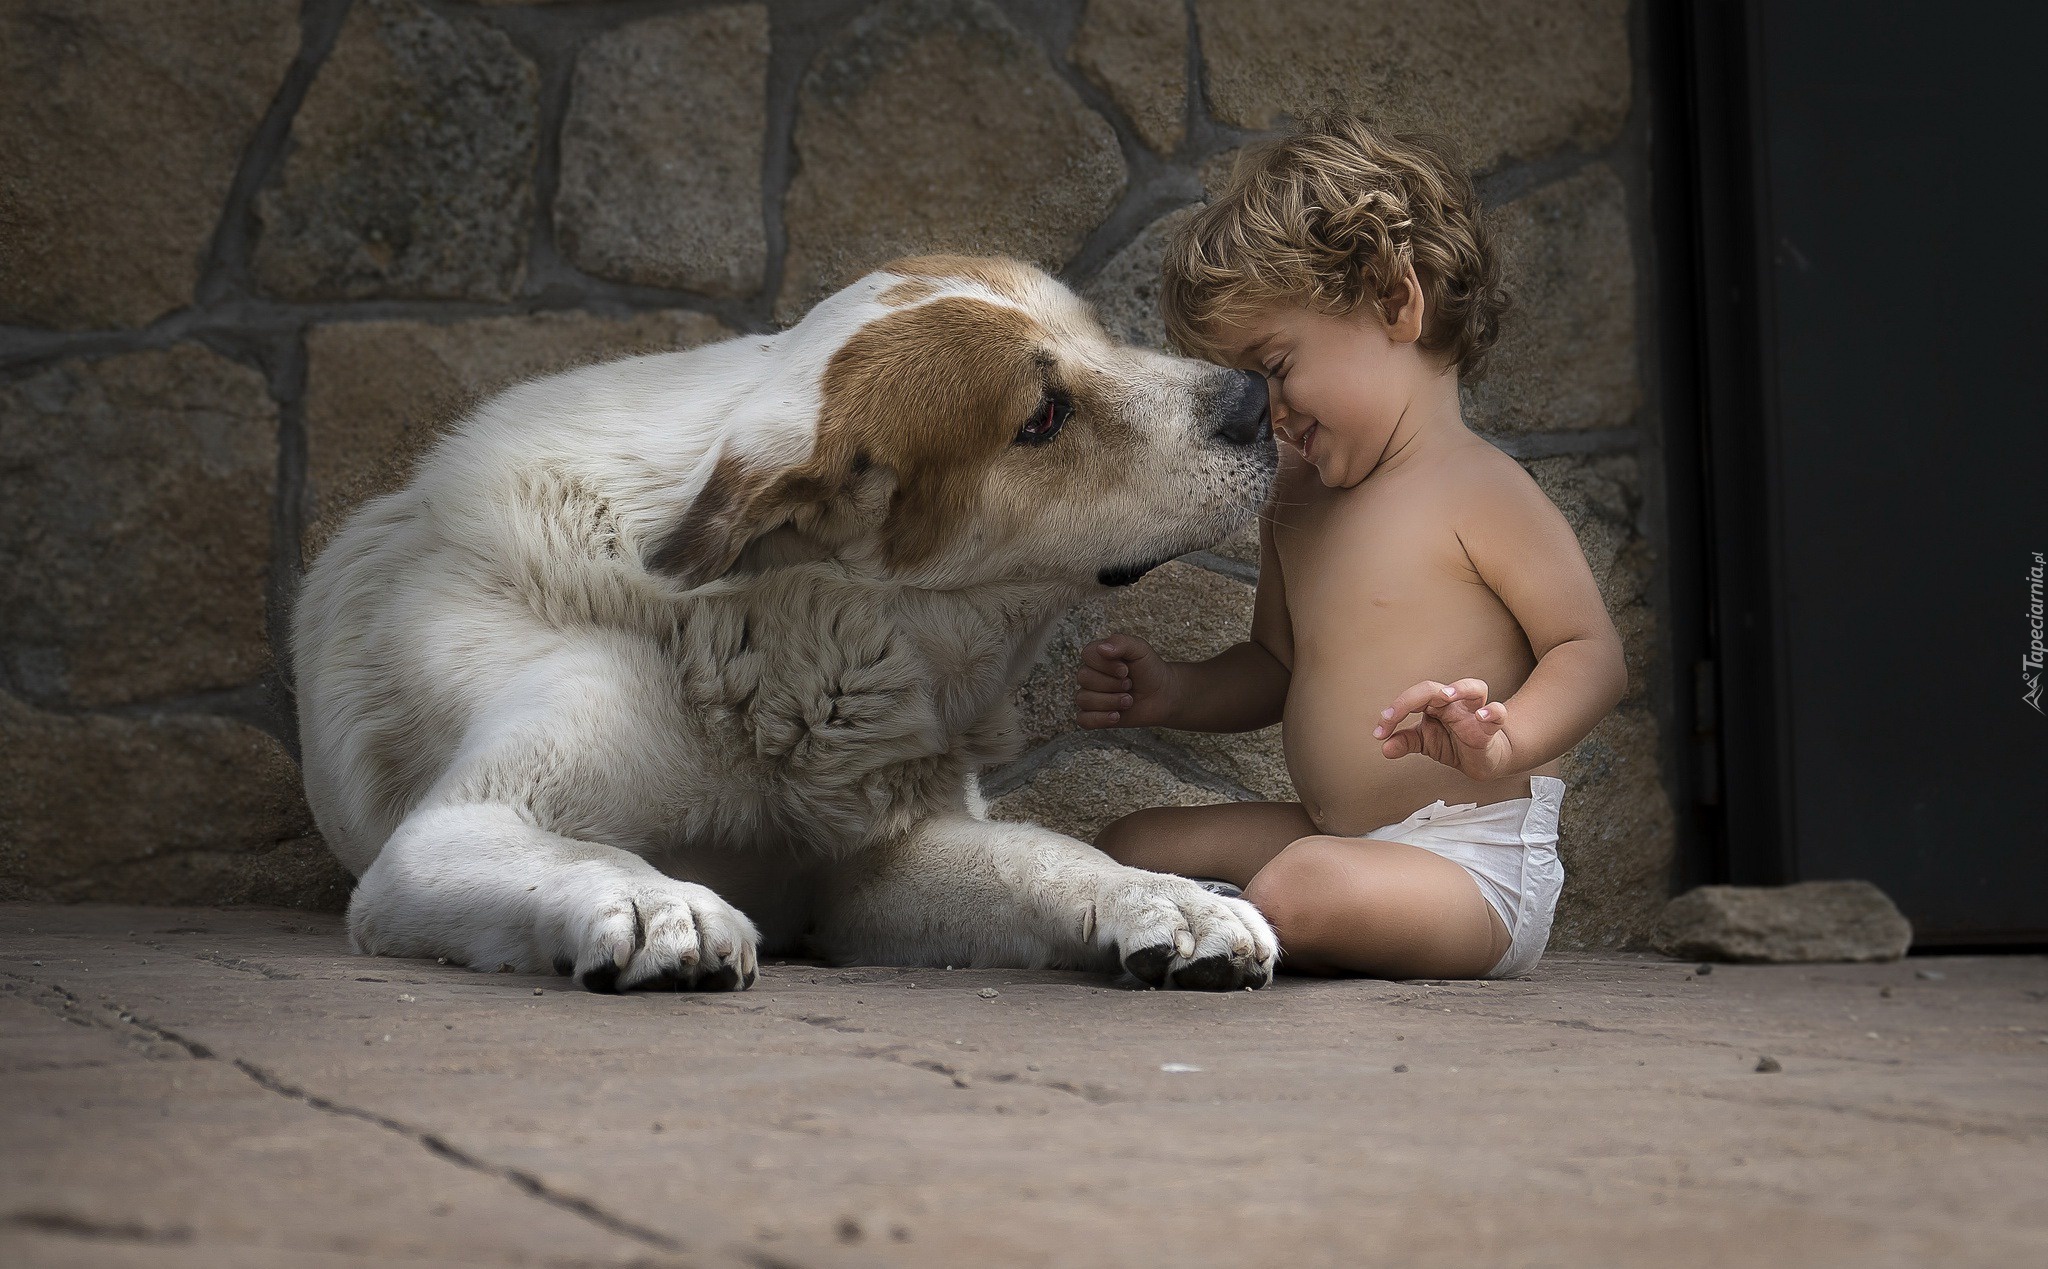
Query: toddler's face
{"x":1337,"y":384}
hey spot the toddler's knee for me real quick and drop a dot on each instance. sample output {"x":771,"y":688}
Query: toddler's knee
{"x":1289,"y":888}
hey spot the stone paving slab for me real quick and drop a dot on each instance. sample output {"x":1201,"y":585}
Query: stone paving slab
{"x":230,"y":1087}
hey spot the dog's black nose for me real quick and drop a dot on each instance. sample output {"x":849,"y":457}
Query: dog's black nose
{"x":1242,"y":413}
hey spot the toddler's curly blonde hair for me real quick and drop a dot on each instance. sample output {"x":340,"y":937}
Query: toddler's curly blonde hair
{"x":1332,"y":216}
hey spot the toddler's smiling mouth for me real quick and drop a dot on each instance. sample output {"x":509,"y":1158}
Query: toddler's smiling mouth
{"x":1306,"y":438}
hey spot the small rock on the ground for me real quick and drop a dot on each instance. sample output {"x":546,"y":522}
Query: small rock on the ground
{"x":1768,"y":1065}
{"x":987,"y":993}
{"x":1809,"y":921}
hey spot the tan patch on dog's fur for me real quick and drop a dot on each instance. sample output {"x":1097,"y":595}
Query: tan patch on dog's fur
{"x":1012,"y":279}
{"x":934,"y":392}
{"x":909,"y":291}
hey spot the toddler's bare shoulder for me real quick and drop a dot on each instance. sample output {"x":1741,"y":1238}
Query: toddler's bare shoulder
{"x":1480,"y":466}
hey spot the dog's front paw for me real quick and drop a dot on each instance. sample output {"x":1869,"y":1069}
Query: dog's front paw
{"x":1169,"y":932}
{"x":663,"y":936}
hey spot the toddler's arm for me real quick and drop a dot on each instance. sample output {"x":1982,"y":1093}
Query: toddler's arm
{"x":1124,"y":683}
{"x":1526,"y":552}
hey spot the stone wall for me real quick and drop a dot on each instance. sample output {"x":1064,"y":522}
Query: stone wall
{"x":253,"y":253}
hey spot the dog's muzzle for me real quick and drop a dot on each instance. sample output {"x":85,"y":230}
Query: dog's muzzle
{"x":1244,"y":414}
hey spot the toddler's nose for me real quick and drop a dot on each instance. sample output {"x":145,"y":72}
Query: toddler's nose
{"x":1285,"y":423}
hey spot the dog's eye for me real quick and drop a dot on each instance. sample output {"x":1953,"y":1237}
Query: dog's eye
{"x":1052,"y":415}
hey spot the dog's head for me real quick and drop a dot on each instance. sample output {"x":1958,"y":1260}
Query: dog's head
{"x":973,"y":422}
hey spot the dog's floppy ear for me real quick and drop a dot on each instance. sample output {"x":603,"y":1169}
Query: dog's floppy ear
{"x":739,"y":503}
{"x":729,"y":511}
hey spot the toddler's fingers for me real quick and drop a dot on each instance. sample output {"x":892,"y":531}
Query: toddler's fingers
{"x":1467,"y":689}
{"x":1402,"y":743}
{"x":1415,"y":698}
{"x":1097,"y":681}
{"x":1102,"y":702}
{"x":1106,"y":656}
{"x":1097,"y":719}
{"x":1123,"y":647}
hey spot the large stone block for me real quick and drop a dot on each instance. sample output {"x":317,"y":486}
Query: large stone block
{"x":1079,"y":791}
{"x":1616,"y":835}
{"x":1502,"y":80}
{"x":1566,"y":359}
{"x":1809,"y":921}
{"x":155,"y":809}
{"x":121,"y":125}
{"x":410,"y":172}
{"x":932,"y":125}
{"x":661,"y":152}
{"x":135,"y":519}
{"x":1252,"y":760}
{"x":1125,"y":292}
{"x":1137,"y":51}
{"x":379,"y":393}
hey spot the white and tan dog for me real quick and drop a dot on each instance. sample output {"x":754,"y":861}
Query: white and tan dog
{"x":661,"y":662}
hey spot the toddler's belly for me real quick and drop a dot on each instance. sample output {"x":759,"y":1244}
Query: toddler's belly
{"x":1345,"y":784}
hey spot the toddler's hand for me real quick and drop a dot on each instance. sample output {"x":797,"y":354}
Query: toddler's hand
{"x":1123,"y":683}
{"x":1459,"y":728}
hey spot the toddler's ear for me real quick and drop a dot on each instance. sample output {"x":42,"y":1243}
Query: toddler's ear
{"x":1404,"y":308}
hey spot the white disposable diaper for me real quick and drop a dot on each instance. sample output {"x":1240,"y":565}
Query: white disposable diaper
{"x":1510,"y":848}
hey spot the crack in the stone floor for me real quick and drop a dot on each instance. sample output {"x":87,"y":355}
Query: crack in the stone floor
{"x":1883,"y":1116}
{"x":902,"y":1054}
{"x":247,"y":967}
{"x":216,"y":957}
{"x":1876,"y":1115}
{"x":73,"y":1225}
{"x":1683,"y":1041}
{"x":434,"y":1144}
{"x":441,"y":1147}
{"x":66,"y":1006}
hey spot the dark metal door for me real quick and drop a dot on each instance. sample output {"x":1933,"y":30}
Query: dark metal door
{"x":1878,"y":524}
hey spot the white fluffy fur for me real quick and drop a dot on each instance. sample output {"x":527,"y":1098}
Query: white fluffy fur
{"x":533,"y":750}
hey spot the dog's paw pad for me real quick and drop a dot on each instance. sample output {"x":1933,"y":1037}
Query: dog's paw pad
{"x":725,"y":978}
{"x":1210,"y":973}
{"x":1148,"y":964}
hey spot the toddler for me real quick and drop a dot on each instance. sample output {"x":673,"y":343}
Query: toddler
{"x":1426,"y":629}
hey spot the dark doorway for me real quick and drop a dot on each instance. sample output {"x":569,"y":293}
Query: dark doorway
{"x":1862,"y":282}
